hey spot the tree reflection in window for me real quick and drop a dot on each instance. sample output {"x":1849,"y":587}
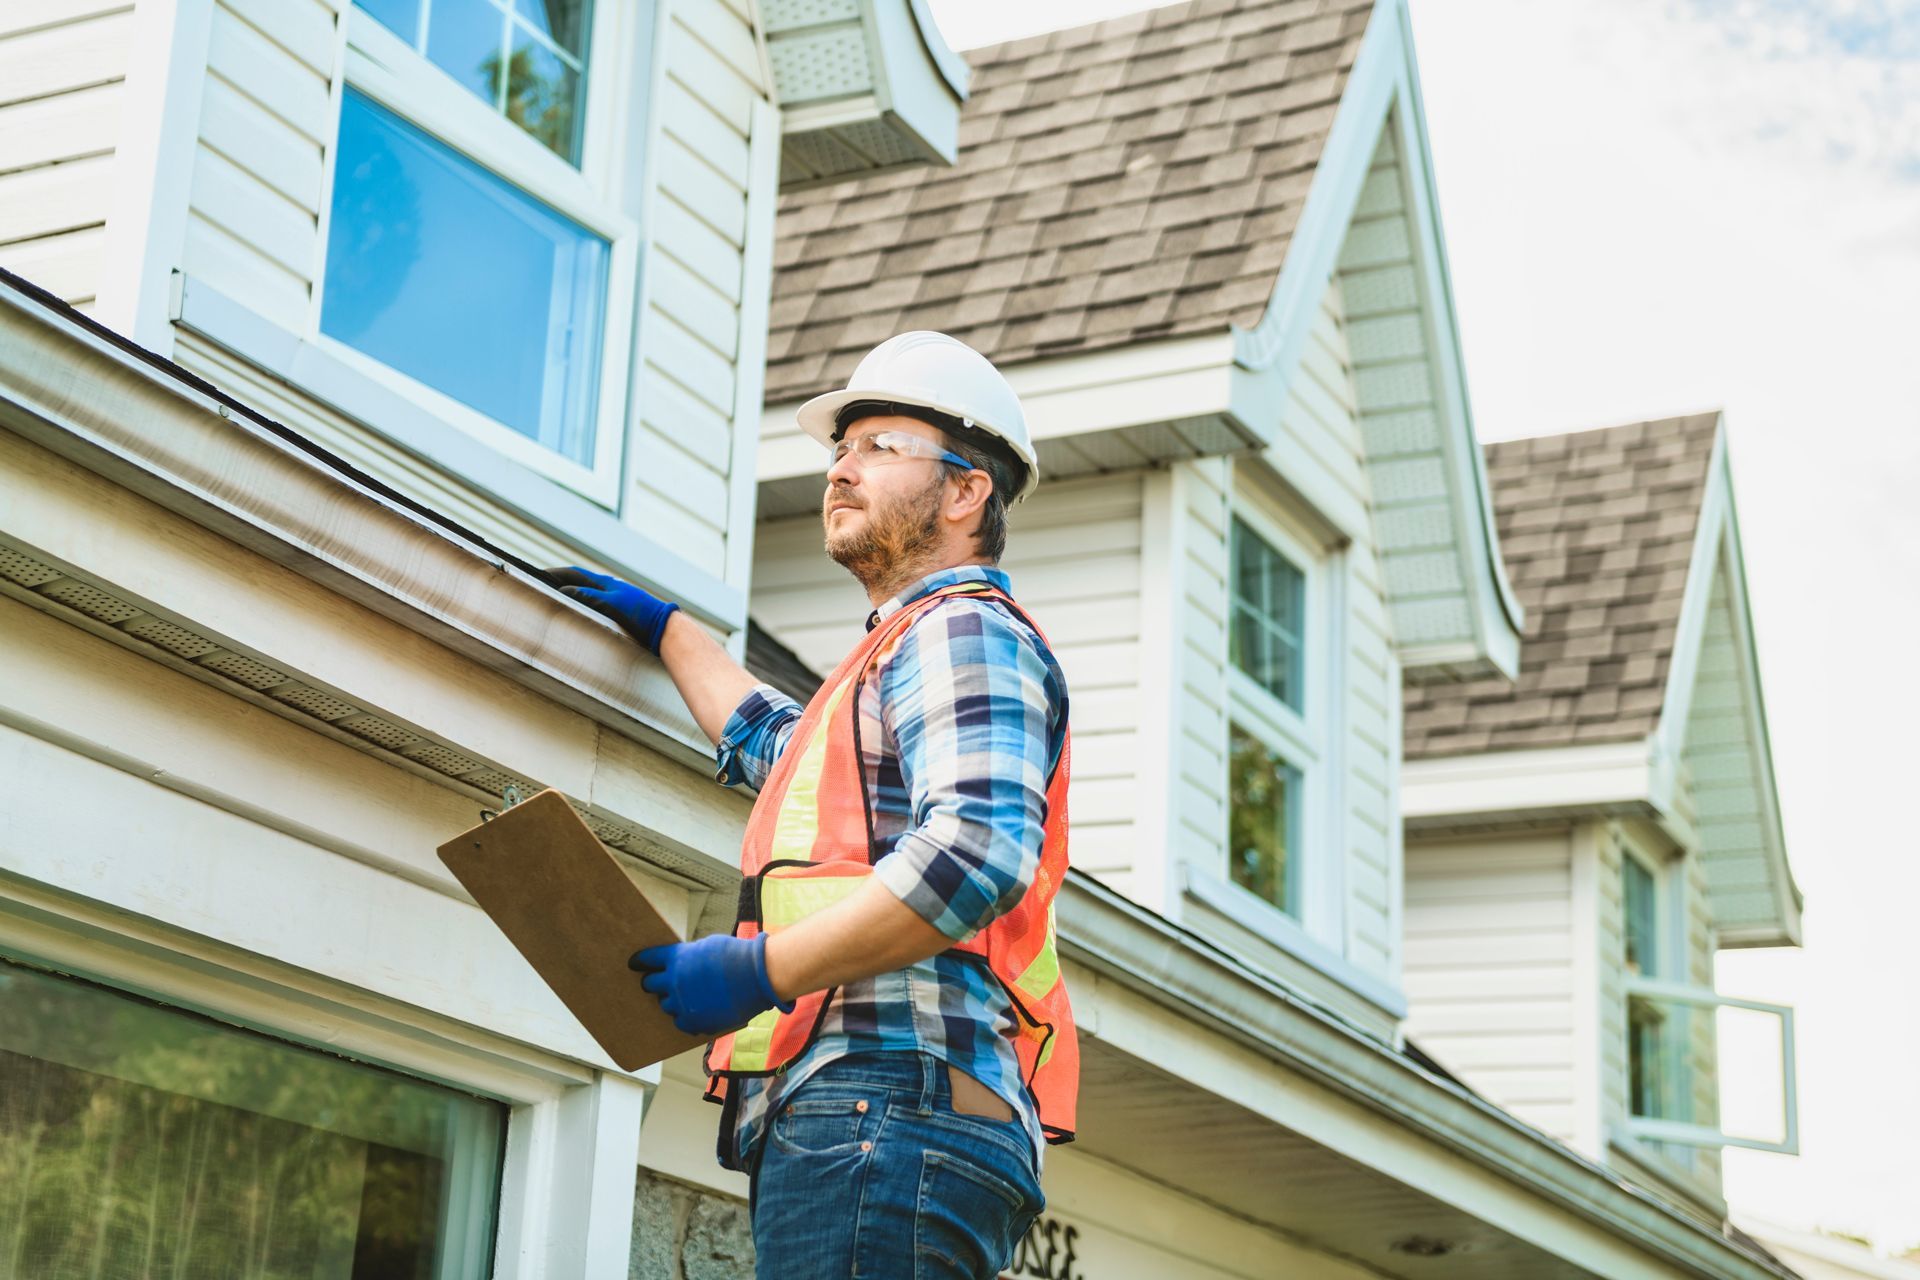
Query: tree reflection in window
{"x":1263,"y":821}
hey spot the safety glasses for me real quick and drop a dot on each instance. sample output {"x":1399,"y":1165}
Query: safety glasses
{"x":882,"y":447}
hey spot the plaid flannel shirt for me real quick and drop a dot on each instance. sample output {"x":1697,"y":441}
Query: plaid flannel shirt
{"x":962,"y":725}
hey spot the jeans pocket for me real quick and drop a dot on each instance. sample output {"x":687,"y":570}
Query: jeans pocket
{"x":817,"y":1125}
{"x":968,"y":1219}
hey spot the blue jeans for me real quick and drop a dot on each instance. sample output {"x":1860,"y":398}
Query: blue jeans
{"x":867,"y":1172}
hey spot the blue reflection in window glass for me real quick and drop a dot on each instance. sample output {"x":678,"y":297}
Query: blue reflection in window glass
{"x":402,"y":17}
{"x":467,"y":39}
{"x":439,"y":269}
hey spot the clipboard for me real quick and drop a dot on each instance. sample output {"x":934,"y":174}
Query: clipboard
{"x":568,"y":907}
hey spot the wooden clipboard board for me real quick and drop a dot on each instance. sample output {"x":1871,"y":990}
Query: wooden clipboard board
{"x":564,"y":902}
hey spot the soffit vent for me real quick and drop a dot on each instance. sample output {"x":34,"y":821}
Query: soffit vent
{"x":315,"y":702}
{"x":94,"y":603}
{"x":25,"y":570}
{"x":235,"y":666}
{"x":334,"y":714}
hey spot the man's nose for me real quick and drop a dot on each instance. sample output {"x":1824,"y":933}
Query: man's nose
{"x":844,"y":471}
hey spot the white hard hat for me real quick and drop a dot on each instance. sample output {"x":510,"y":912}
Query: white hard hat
{"x":932,"y":371}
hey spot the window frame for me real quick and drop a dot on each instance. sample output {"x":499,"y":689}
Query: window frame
{"x":565,"y":1121}
{"x":1667,"y":985}
{"x":1307,"y":739}
{"x":381,"y":65}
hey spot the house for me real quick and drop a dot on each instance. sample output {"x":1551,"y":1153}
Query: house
{"x":325,"y":326}
{"x":1202,"y":243}
{"x":1581,"y":840}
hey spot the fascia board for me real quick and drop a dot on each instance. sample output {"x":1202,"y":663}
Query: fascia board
{"x":1492,"y":786}
{"x":1157,"y":960}
{"x":1136,"y":386}
{"x":149,"y":428}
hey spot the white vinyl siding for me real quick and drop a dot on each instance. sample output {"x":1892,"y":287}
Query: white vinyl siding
{"x":269,"y":112}
{"x":1073,"y":552}
{"x":687,"y":386}
{"x":1490,"y":969}
{"x":62,"y":82}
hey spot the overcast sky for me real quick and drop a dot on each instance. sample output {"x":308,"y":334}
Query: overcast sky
{"x":1656,"y":207}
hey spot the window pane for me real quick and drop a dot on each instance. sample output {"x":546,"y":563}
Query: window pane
{"x":563,"y":21}
{"x":439,"y":269}
{"x":1269,"y":608}
{"x":141,"y":1141}
{"x":466,"y":38}
{"x":543,"y":94}
{"x":1263,"y":821}
{"x":1642,"y":918}
{"x":402,"y":17}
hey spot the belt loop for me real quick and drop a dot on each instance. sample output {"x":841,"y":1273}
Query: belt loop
{"x":930,"y":1068}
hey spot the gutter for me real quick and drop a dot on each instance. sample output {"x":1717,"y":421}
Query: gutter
{"x":1203,"y":983}
{"x":85,"y":393}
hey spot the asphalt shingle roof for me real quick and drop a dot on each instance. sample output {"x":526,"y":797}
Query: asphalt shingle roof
{"x":1139,"y":178}
{"x":1597,"y":528}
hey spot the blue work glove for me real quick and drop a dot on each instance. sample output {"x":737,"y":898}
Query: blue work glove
{"x":641,"y":613}
{"x":711,"y":985}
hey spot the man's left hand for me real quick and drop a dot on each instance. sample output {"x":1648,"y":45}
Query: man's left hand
{"x":711,"y":985}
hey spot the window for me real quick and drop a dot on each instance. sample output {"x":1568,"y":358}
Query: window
{"x":1263,"y":821}
{"x":1670,"y":1018}
{"x":137,"y":1139}
{"x":1656,"y":1048}
{"x":1276,"y":787}
{"x":1269,"y":606}
{"x":445,"y":273}
{"x":475,"y":258}
{"x":524,"y":58}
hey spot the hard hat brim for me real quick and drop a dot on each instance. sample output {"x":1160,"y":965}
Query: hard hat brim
{"x":816,"y":418}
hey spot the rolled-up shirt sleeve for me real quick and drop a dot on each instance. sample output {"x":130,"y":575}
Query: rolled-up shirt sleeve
{"x":754,"y":736}
{"x":971,"y":705}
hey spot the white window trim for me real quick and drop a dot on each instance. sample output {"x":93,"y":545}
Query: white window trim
{"x":1305,"y":737}
{"x":568,"y":1174}
{"x":1701,"y":1135}
{"x":385,"y":68}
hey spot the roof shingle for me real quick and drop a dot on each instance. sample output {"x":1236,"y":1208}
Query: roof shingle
{"x":1597,"y":528}
{"x":1136,"y":179}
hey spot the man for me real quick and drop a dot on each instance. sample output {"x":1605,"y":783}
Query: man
{"x":895,"y":1044}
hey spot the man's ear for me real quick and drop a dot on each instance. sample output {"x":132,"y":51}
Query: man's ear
{"x":969,"y":495}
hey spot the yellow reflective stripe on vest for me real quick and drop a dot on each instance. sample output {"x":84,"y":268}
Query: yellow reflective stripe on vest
{"x":1038,"y":978}
{"x":753,"y":1043}
{"x":787,"y":899}
{"x":798,"y":822}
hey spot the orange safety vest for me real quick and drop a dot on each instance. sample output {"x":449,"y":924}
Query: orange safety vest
{"x":809,"y":844}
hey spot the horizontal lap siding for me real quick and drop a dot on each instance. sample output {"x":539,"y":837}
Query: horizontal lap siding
{"x":1489,"y":969}
{"x":1073,"y":552}
{"x":690,"y":328}
{"x":1198,"y":795}
{"x":62,"y":83}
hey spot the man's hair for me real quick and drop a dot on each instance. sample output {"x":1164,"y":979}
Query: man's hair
{"x":982,"y":451}
{"x":986,"y":453}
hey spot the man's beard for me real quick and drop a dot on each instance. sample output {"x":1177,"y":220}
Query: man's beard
{"x":892,"y":542}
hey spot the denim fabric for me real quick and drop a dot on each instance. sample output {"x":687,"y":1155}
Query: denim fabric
{"x":868,"y":1172}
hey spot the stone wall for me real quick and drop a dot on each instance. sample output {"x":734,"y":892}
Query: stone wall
{"x":681,"y":1232}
